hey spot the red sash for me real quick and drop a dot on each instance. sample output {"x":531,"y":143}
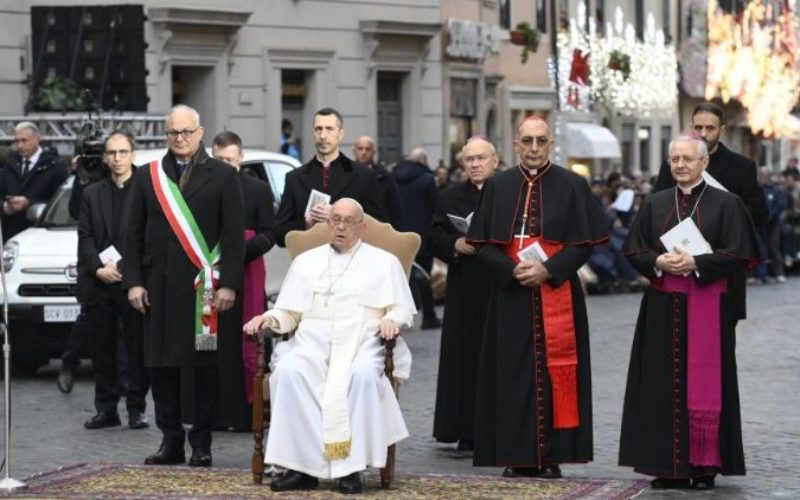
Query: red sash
{"x":559,"y":334}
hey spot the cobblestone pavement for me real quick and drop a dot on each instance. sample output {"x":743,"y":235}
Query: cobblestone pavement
{"x":48,"y":432}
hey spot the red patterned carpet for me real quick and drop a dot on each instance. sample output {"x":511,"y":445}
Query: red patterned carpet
{"x":118,"y":481}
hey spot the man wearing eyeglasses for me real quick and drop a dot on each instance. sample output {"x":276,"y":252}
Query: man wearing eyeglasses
{"x":101,"y":229}
{"x":681,"y":420}
{"x":735,"y":172}
{"x":329,"y":172}
{"x":333,"y":411}
{"x":533,"y":229}
{"x":184,"y":266}
{"x":32,"y":175}
{"x":468,"y":290}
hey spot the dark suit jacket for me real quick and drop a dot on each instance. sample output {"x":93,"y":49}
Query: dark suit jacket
{"x":95,"y":234}
{"x":347,"y":181}
{"x":38,"y":185}
{"x":258,"y":216}
{"x":156,"y":260}
{"x":390,"y":196}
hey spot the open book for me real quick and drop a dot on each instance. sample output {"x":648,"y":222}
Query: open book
{"x":461,"y":223}
{"x":533,"y":252}
{"x":687,"y":237}
{"x":315,"y":198}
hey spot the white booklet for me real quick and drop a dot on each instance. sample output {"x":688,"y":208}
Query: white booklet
{"x":711,"y":181}
{"x":687,"y":237}
{"x":461,"y":223}
{"x":533,"y":252}
{"x":110,"y":254}
{"x":624,"y":201}
{"x":315,"y":198}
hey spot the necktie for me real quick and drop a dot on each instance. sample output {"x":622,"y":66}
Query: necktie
{"x":26,"y":166}
{"x":181,"y":168}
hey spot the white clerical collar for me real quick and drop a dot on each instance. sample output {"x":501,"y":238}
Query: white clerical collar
{"x":688,"y":191}
{"x":478,"y":186}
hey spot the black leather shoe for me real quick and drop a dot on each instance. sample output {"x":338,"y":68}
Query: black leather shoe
{"x":166,"y":455}
{"x":668,"y":483}
{"x":65,"y":380}
{"x":102,"y":420}
{"x":351,"y":484}
{"x":200,"y":458}
{"x":136,"y":420}
{"x":521,"y":472}
{"x":550,"y":472}
{"x":464,"y":445}
{"x":294,"y":480}
{"x":703,"y":483}
{"x":431,"y":324}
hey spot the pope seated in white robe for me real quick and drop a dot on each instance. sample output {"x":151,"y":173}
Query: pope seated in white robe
{"x":334,"y":413}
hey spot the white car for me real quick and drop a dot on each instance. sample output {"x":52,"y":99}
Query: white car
{"x":41,"y":265}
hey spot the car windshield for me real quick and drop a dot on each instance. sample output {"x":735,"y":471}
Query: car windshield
{"x":56,"y":214}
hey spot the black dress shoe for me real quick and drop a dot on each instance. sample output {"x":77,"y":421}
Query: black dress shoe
{"x":351,"y":484}
{"x":668,"y":483}
{"x":166,"y":455}
{"x":464,"y":445}
{"x":136,"y":420}
{"x":521,"y":472}
{"x":294,"y":480}
{"x":65,"y":380}
{"x":102,"y":420}
{"x":550,"y":472}
{"x":703,"y":483}
{"x":200,"y":458}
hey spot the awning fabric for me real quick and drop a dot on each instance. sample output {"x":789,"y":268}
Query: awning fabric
{"x":589,"y":140}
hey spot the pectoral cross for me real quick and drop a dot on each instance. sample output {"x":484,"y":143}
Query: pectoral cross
{"x":327,"y":293}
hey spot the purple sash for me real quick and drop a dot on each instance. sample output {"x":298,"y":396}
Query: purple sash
{"x":704,"y":364}
{"x":255,"y":275}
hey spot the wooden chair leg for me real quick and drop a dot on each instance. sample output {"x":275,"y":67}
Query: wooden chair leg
{"x":257,"y":461}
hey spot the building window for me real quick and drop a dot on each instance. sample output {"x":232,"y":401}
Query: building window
{"x":639,"y":14}
{"x":463,"y":113}
{"x":666,"y":22}
{"x":600,"y":16}
{"x":505,"y":14}
{"x":626,"y":141}
{"x":541,"y":16}
{"x":666,"y":137}
{"x":644,"y":149}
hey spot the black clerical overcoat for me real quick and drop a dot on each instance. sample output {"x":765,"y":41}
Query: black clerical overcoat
{"x":156,"y":260}
{"x":468,"y":289}
{"x":655,"y":429}
{"x":739,"y":176}
{"x":513,"y":421}
{"x":347,"y":180}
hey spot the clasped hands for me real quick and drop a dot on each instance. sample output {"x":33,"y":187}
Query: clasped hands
{"x":531,"y":273}
{"x":139,"y":299}
{"x":677,"y":262}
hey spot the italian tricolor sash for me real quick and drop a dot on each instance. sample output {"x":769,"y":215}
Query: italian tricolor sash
{"x":184,"y":226}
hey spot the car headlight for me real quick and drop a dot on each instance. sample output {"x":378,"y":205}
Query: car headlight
{"x":10,"y":253}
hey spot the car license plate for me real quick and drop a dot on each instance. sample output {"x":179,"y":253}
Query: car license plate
{"x":61,"y":314}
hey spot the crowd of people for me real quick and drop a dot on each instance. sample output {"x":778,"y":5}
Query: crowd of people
{"x":170,"y":261}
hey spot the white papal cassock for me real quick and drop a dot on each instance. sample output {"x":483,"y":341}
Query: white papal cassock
{"x":333,"y":410}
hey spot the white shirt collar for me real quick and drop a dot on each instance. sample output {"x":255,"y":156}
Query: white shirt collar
{"x":34,"y":157}
{"x":688,"y":191}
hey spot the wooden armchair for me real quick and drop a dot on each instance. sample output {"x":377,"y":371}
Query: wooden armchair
{"x":404,"y":246}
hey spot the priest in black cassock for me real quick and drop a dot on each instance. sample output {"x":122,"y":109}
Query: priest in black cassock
{"x":534,"y":396}
{"x":468,"y":290}
{"x":681,"y":419}
{"x":329,"y":172}
{"x":736,"y":173}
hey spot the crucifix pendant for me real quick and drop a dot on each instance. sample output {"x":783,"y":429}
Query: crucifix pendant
{"x":327,"y":294}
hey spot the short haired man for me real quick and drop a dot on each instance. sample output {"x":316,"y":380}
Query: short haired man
{"x":238,"y":356}
{"x":737,"y":173}
{"x":101,"y":230}
{"x":31,"y":176}
{"x":468,"y":290}
{"x":364,"y":151}
{"x":185,"y":228}
{"x":333,"y":410}
{"x":681,"y":420}
{"x":533,"y":404}
{"x":329,"y":172}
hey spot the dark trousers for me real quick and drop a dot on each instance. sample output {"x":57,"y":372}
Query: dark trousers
{"x":421,"y":287}
{"x":71,"y":359}
{"x":102,"y":319}
{"x":167,"y":399}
